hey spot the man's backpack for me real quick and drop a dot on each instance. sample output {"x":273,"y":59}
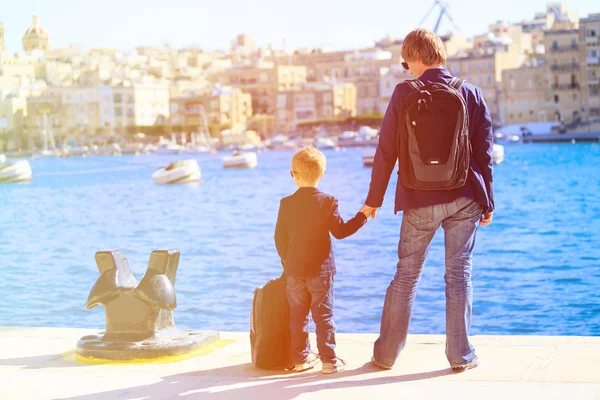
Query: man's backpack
{"x":433,"y":137}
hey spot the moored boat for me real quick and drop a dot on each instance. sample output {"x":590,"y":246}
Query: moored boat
{"x":19,"y":171}
{"x":240,"y":160}
{"x":184,"y":171}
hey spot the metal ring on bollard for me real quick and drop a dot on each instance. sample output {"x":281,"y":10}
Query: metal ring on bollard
{"x":139,"y":316}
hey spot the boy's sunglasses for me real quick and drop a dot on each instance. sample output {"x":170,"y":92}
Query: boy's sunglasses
{"x":404,"y":65}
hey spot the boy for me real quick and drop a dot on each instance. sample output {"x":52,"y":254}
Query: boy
{"x":303,"y":243}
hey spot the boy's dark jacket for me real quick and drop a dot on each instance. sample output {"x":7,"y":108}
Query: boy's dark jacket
{"x":302,"y":233}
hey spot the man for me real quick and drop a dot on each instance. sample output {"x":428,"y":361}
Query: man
{"x":459,"y":211}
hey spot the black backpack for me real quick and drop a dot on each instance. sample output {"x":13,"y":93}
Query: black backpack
{"x":433,"y":137}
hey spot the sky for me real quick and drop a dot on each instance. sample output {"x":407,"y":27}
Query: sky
{"x":213,"y":24}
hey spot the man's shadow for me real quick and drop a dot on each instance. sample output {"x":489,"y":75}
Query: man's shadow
{"x":244,"y":381}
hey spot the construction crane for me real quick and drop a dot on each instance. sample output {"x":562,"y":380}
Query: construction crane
{"x":443,"y":6}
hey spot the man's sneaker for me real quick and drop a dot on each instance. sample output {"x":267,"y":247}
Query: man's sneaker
{"x":378,"y":365}
{"x":463,"y":367}
{"x":329,"y":368}
{"x":310,"y":362}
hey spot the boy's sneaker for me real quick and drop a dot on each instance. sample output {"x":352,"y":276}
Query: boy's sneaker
{"x":312,"y":360}
{"x":463,"y":367}
{"x":329,"y":368}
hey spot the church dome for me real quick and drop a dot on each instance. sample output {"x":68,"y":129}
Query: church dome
{"x":36,"y":29}
{"x":36,"y":37}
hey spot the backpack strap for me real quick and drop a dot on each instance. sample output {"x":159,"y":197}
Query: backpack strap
{"x":456,"y":83}
{"x":415,"y":84}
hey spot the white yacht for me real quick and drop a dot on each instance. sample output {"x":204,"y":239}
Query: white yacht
{"x":185,"y":171}
{"x":241,"y":160}
{"x":170,"y":148}
{"x":325,"y":144}
{"x":197,"y":150}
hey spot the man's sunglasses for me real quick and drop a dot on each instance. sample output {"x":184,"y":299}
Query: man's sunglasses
{"x":404,"y":65}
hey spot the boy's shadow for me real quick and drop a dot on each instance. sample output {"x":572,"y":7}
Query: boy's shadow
{"x":243,"y":381}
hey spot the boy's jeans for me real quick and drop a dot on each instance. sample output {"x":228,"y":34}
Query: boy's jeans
{"x":315,"y":295}
{"x":460,"y":220}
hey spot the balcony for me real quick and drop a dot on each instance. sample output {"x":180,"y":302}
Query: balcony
{"x":565,"y":67}
{"x":593,"y":60}
{"x":563,"y":49}
{"x":566,"y":86}
{"x":591,"y":40}
{"x":593,"y":80}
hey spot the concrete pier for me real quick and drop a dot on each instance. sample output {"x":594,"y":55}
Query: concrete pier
{"x":39,"y":363}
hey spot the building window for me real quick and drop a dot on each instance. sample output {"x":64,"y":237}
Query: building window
{"x":118,"y":98}
{"x":556,"y":99}
{"x":489,"y":65}
{"x":281,"y":100}
{"x":489,"y":79}
{"x":593,"y":53}
{"x":593,"y":33}
{"x":554,"y":45}
{"x":118,"y":111}
{"x":478,"y":66}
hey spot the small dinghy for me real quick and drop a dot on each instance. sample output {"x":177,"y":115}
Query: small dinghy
{"x":19,"y":171}
{"x":368,"y":157}
{"x":185,"y":171}
{"x":240,"y":160}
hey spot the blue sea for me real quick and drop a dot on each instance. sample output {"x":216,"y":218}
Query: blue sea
{"x":536,"y":268}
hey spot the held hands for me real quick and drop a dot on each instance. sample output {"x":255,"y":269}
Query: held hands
{"x":369,"y":211}
{"x":486,"y":218}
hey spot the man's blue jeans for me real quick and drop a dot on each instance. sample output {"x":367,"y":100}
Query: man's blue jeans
{"x":460,"y":220}
{"x":314,"y":295}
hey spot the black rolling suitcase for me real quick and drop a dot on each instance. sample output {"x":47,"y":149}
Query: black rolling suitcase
{"x":270,"y":326}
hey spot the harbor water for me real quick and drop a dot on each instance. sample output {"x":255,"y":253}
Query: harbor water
{"x":536,"y":268}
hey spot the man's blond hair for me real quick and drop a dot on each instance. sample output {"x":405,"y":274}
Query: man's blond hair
{"x":309,"y":163}
{"x":425,"y":46}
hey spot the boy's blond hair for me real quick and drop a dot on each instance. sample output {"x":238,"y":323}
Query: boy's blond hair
{"x":425,"y":46}
{"x":309,"y":163}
